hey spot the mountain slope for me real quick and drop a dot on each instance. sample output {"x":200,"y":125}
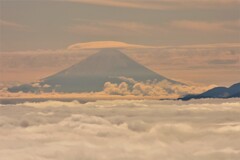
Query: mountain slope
{"x":90,"y":75}
{"x":217,"y":92}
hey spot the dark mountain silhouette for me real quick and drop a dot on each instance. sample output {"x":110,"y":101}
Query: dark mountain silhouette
{"x":217,"y":92}
{"x":235,"y":95}
{"x":90,"y":75}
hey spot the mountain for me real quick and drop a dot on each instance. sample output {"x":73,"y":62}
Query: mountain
{"x":90,"y":75}
{"x":217,"y":92}
{"x":235,"y":95}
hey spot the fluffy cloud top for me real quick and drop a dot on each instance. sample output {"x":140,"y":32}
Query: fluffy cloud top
{"x":163,"y":89}
{"x":106,"y":130}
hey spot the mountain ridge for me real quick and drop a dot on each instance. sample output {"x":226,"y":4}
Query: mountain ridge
{"x":218,"y":92}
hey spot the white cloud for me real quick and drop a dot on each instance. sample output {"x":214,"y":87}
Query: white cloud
{"x":36,"y":85}
{"x":163,"y":89}
{"x":199,"y":129}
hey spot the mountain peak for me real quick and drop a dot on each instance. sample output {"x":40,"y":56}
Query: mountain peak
{"x":90,"y":75}
{"x":237,"y":85}
{"x":109,"y":51}
{"x":108,"y":54}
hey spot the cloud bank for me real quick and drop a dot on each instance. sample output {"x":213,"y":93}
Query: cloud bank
{"x":106,"y":130}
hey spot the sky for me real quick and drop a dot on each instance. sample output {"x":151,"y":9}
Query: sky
{"x":187,"y":40}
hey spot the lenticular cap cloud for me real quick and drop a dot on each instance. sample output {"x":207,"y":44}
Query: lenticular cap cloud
{"x":105,"y":44}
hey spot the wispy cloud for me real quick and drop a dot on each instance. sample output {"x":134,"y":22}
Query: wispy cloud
{"x":161,"y":4}
{"x":123,"y":29}
{"x":114,"y":28}
{"x":221,"y":26}
{"x":13,"y":25}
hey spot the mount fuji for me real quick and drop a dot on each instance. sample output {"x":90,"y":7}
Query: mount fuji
{"x":90,"y":75}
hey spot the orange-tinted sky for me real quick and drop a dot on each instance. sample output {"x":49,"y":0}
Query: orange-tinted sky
{"x":173,"y":37}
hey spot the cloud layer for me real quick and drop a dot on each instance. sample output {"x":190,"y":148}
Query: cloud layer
{"x":104,"y":130}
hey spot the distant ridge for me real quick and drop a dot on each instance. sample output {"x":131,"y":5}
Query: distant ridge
{"x":90,"y":75}
{"x":217,"y":92}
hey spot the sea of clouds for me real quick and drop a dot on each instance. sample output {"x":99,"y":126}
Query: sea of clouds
{"x":121,"y":130}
